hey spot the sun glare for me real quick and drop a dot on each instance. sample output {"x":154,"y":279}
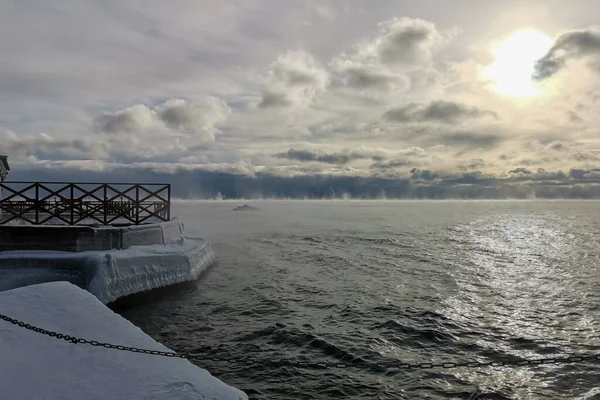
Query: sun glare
{"x":511,"y":73}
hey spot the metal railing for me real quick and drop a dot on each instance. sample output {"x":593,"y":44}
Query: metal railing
{"x":84,"y":203}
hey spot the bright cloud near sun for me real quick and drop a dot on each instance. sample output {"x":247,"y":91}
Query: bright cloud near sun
{"x":511,"y":74}
{"x":463,"y":94}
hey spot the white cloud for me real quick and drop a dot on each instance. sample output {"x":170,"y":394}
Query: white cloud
{"x":294,"y":79}
{"x":138,"y":119}
{"x":201,"y":118}
{"x":23,"y":146}
{"x":399,"y":54}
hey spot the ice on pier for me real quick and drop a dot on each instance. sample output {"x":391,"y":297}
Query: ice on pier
{"x":109,"y":274}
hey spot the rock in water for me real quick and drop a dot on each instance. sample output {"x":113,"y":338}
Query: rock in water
{"x":245,"y":207}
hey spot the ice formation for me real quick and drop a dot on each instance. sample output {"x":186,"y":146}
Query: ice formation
{"x":109,"y":274}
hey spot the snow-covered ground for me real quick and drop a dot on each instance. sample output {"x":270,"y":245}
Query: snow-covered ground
{"x":33,"y":366}
{"x":111,"y":274}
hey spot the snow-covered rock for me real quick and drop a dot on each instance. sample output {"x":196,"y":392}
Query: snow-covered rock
{"x":34,"y":366}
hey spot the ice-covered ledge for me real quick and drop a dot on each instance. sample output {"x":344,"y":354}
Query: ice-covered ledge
{"x":34,"y":366}
{"x":141,"y":259}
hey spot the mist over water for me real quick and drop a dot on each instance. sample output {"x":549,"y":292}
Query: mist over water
{"x":402,"y":281}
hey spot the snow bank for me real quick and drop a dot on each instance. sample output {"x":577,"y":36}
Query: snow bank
{"x":111,"y":274}
{"x":34,"y":366}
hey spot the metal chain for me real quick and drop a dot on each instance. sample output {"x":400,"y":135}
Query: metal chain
{"x":356,"y":363}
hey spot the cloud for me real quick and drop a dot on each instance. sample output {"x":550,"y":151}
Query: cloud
{"x":522,"y":171}
{"x":406,"y":42}
{"x":466,"y":140}
{"x":569,"y":46}
{"x":408,"y":157}
{"x":134,"y":120}
{"x":423,"y":175}
{"x":372,"y":78}
{"x":557,"y":150}
{"x":200,"y":118}
{"x":394,"y":163}
{"x":307,"y":155}
{"x":293,"y":79}
{"x":585,"y":174}
{"x":398,"y":56}
{"x":23,"y":145}
{"x":280,"y":90}
{"x":574,"y":117}
{"x":274,"y":99}
{"x":384,"y":158}
{"x":540,"y":175}
{"x":439,"y":111}
{"x":322,"y":9}
{"x":242,"y":180}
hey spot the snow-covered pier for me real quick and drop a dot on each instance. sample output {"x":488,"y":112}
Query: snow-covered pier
{"x":35,"y":366}
{"x":110,"y":239}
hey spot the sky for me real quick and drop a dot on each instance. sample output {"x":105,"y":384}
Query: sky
{"x":306,"y":98}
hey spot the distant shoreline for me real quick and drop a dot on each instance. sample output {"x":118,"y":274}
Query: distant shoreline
{"x":246,"y":200}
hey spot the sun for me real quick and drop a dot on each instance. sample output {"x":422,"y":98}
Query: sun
{"x":511,"y":73}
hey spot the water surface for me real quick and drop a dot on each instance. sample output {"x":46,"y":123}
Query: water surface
{"x":385,"y":281}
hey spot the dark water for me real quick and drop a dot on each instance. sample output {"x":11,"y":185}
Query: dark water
{"x":406,"y":281}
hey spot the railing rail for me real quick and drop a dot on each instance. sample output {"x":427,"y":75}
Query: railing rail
{"x":84,"y":203}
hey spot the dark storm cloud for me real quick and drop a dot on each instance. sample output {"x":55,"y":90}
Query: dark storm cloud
{"x":569,"y":45}
{"x":440,"y":111}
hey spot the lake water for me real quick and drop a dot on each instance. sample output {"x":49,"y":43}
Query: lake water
{"x":391,"y":281}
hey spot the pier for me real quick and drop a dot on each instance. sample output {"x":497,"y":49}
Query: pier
{"x":112,"y":239}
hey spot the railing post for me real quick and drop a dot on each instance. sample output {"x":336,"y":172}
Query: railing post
{"x":168,"y":202}
{"x":137,"y":204}
{"x":105,"y":204}
{"x":37,"y":203}
{"x":72,"y":203}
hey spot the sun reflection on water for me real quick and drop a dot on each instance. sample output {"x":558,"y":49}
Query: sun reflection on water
{"x":517,"y":275}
